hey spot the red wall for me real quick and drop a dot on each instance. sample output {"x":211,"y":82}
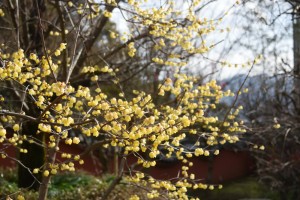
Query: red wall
{"x":91,"y":162}
{"x":228,"y":165}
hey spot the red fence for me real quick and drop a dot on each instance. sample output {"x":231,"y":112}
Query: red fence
{"x":228,"y":165}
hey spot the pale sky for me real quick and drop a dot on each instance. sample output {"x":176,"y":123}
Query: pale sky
{"x":239,"y":54}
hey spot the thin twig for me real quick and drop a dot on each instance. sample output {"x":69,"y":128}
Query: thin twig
{"x":94,"y":35}
{"x":19,"y":115}
{"x":43,"y":39}
{"x":50,"y":106}
{"x":63,"y":37}
{"x":238,"y":93}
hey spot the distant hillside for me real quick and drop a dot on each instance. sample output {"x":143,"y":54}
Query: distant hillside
{"x":267,"y":95}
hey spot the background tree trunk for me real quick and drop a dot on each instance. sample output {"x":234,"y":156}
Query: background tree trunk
{"x":33,"y":159}
{"x":36,"y":156}
{"x":296,"y":39}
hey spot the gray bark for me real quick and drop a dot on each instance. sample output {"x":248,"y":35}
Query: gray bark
{"x":296,"y":39}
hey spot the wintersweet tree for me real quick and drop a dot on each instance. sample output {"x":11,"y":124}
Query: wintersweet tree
{"x":65,"y":65}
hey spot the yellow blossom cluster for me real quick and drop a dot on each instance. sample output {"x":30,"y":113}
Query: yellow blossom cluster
{"x":111,"y":2}
{"x":1,"y":13}
{"x":136,"y":125}
{"x":58,"y":51}
{"x":249,"y":63}
{"x":162,"y":25}
{"x":276,"y":126}
{"x":133,"y":123}
{"x":168,"y":27}
{"x":113,"y":35}
{"x":131,"y":49}
{"x":107,"y":14}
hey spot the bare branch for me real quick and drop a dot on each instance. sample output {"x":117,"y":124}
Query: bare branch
{"x":18,"y":115}
{"x":94,"y":35}
{"x":63,"y":37}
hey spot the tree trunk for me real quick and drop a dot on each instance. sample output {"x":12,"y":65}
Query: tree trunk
{"x":33,"y":159}
{"x":50,"y":160}
{"x":296,"y":39}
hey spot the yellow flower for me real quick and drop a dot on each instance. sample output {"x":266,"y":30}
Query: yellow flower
{"x":199,"y":151}
{"x":206,"y":153}
{"x":57,"y":52}
{"x":20,"y":197}
{"x":217,"y":152}
{"x":53,"y":171}
{"x":76,"y":140}
{"x":2,"y":132}
{"x":134,"y":197}
{"x":1,"y":13}
{"x":68,"y":141}
{"x":46,"y":173}
{"x":62,"y":46}
{"x":192,"y":176}
{"x":112,"y":35}
{"x":107,"y":14}
{"x":45,"y":128}
{"x":276,"y":126}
